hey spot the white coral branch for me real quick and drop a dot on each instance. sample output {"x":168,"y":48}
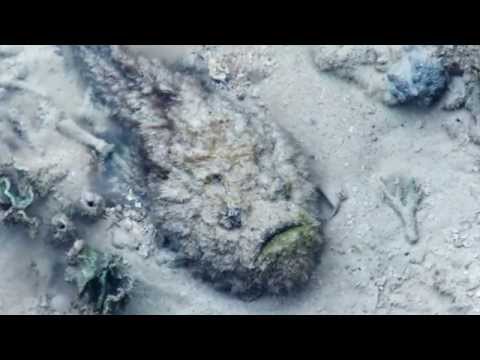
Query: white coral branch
{"x":404,"y":198}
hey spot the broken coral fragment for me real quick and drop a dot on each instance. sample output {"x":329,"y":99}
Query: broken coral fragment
{"x":90,"y":205}
{"x":62,"y":229}
{"x":15,"y":189}
{"x":404,"y":197}
{"x":70,"y":129}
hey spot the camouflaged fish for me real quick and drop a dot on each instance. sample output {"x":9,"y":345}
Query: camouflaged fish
{"x":227,"y":188}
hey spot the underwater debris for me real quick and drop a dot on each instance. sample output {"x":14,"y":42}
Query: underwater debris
{"x":404,"y":197}
{"x":90,"y":205}
{"x":16,"y":198}
{"x":418,"y":78}
{"x":16,"y":195}
{"x":45,"y":179}
{"x":70,"y":128}
{"x":20,"y":217}
{"x":63,"y":230}
{"x":460,"y":59}
{"x":342,"y":61}
{"x":100,"y":278}
{"x":15,"y":188}
{"x":19,"y":188}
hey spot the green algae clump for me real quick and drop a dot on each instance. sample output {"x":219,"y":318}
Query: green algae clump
{"x":101,"y":279}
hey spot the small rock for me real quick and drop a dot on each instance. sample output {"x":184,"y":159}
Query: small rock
{"x":417,"y":78}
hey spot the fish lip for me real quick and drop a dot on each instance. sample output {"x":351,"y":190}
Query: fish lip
{"x":271,"y":233}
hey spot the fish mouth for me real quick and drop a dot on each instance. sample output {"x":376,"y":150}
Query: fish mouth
{"x":286,"y":237}
{"x":271,"y":234}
